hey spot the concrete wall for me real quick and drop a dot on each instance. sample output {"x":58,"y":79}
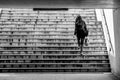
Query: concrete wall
{"x":111,"y":48}
{"x":116,"y":18}
{"x":109,"y":19}
{"x":59,"y":3}
{"x":109,"y":27}
{"x":114,"y":30}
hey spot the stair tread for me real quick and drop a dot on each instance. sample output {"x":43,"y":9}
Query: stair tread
{"x":57,"y":59}
{"x":58,"y":50}
{"x":63,"y":68}
{"x":57,"y":63}
{"x":64,"y":46}
{"x":58,"y":54}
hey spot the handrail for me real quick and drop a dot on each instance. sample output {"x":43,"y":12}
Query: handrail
{"x":108,"y":34}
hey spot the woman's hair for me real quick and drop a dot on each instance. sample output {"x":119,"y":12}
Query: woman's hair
{"x":78,"y":19}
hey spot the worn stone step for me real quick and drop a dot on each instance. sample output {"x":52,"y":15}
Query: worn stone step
{"x":84,"y":61}
{"x":36,"y":52}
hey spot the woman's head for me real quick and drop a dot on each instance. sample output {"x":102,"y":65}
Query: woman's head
{"x":78,"y":19}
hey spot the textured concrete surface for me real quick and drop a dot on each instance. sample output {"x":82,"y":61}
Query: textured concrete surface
{"x":57,"y":76}
{"x":60,"y":3}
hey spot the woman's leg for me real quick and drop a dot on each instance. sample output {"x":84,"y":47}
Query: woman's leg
{"x":78,"y":40}
{"x":82,"y":42}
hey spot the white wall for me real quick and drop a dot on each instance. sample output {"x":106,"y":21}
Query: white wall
{"x":116,"y":17}
{"x":98,"y":14}
{"x":109,"y":20}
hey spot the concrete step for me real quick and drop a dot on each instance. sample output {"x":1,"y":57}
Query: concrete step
{"x":56,"y":70}
{"x":39,"y":52}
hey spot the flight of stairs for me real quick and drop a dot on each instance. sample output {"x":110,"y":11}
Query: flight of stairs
{"x":44,"y":41}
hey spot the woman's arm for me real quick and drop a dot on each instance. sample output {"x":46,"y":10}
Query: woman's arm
{"x":75,"y":31}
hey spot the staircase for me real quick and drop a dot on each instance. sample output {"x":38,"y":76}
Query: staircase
{"x":44,"y":41}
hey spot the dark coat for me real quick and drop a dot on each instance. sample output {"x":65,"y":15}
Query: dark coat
{"x":81,"y":30}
